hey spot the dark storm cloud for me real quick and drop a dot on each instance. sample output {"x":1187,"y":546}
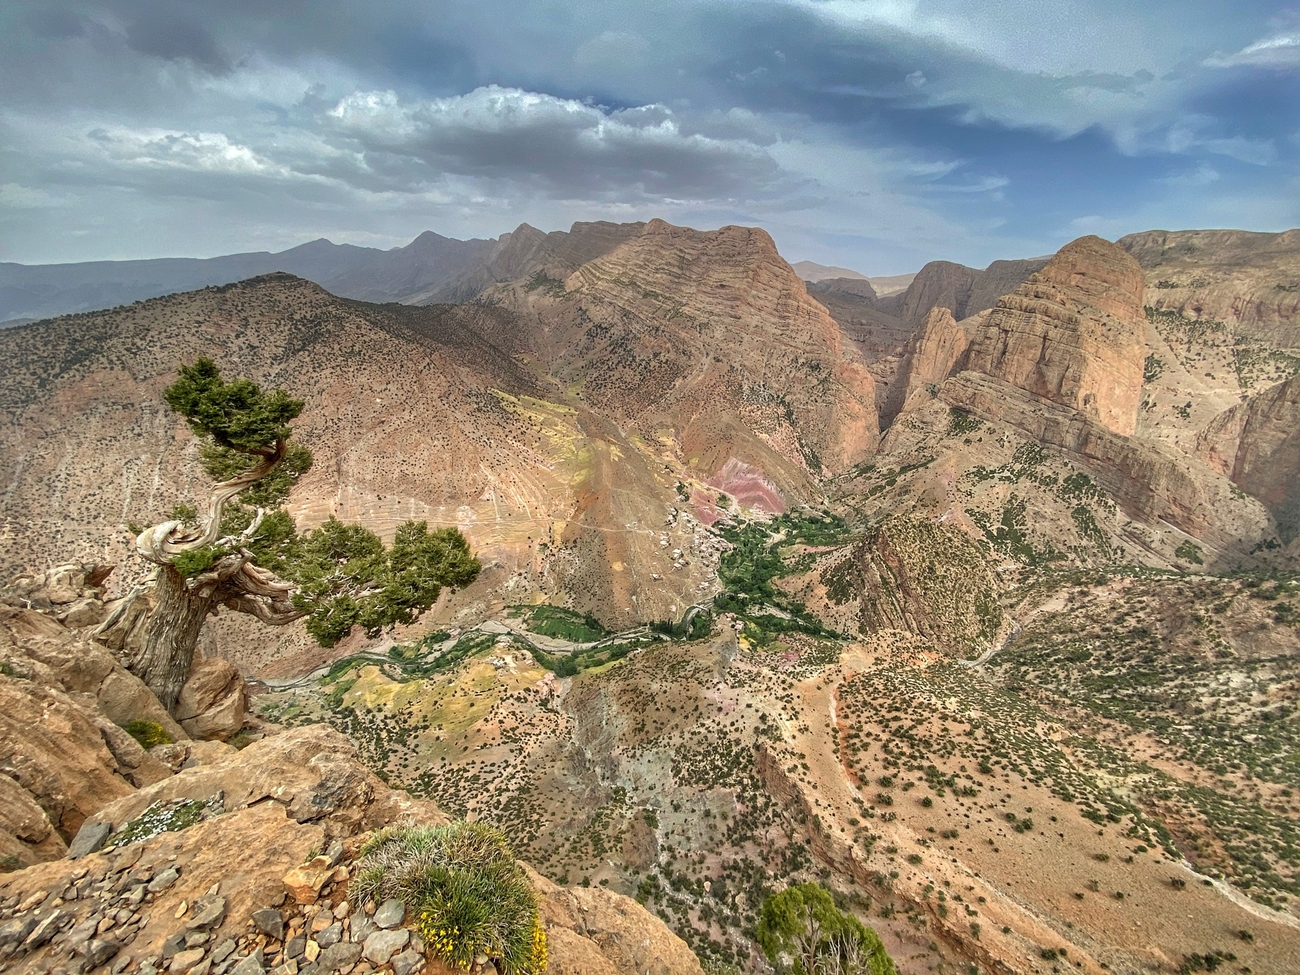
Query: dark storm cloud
{"x":175,"y":37}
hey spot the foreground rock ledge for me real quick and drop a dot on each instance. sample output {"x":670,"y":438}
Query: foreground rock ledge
{"x":262,"y":885}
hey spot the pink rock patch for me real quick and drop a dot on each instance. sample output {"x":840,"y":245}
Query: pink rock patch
{"x":749,"y":486}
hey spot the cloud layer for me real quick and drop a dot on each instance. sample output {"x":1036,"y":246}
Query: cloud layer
{"x":868,"y":134}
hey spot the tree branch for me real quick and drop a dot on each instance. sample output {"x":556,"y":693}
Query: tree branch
{"x":274,"y":612}
{"x":163,"y":542}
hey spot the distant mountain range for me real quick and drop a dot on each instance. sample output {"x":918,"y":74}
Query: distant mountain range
{"x":430,"y":268}
{"x":404,"y":274}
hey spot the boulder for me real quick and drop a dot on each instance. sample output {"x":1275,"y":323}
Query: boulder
{"x":212,"y":702}
{"x":26,"y":833}
{"x":124,"y":698}
{"x":594,"y":931}
{"x":83,"y":612}
{"x":51,"y":746}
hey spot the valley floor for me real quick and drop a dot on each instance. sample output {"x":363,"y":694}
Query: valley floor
{"x":1020,"y":811}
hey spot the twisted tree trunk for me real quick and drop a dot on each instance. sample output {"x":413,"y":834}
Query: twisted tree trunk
{"x":163,"y":661}
{"x":155,"y":628}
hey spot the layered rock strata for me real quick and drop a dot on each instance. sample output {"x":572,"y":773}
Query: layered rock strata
{"x":1257,"y":445}
{"x":712,"y":336}
{"x":1073,"y":334}
{"x":1251,"y":280}
{"x":1151,"y":482}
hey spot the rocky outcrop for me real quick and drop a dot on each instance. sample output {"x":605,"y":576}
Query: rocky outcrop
{"x":1257,"y":445}
{"x":63,"y":752}
{"x":922,"y":577}
{"x":939,"y":351}
{"x":527,"y":251}
{"x":1073,"y":334}
{"x":592,"y":931}
{"x":312,"y":772}
{"x":1149,"y":481}
{"x":1250,"y":280}
{"x":253,"y":874}
{"x":212,"y":702}
{"x":71,"y":594}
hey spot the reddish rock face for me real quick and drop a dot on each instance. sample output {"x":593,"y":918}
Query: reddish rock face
{"x":940,"y":350}
{"x":1073,"y":334}
{"x":1257,"y":444}
{"x":676,"y":322}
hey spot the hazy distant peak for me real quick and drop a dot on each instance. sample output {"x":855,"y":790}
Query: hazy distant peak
{"x":812,"y":271}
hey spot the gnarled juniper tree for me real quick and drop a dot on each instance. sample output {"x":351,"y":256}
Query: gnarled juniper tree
{"x":245,"y":554}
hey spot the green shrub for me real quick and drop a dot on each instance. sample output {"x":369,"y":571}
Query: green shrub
{"x":802,"y":931}
{"x":148,"y":733}
{"x":468,"y":894}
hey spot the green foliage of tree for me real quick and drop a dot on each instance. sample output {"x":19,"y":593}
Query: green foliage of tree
{"x":347,"y":578}
{"x":802,"y":932}
{"x":237,"y":415}
{"x":222,"y":463}
{"x":245,"y":553}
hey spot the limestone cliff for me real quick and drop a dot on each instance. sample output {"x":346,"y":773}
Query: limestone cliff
{"x":710,"y":338}
{"x":939,"y":350}
{"x":1250,"y":280}
{"x":964,"y":291}
{"x":1073,"y":334}
{"x":886,"y":330}
{"x":1153,"y":483}
{"x":881,"y":338}
{"x":1257,"y":445}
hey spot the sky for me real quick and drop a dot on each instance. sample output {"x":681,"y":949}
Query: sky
{"x":870,"y":134}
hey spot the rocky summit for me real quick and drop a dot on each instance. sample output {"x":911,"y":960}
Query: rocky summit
{"x":960,"y":611}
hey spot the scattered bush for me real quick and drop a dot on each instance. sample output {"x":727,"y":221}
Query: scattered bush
{"x":148,"y":733}
{"x":166,"y":816}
